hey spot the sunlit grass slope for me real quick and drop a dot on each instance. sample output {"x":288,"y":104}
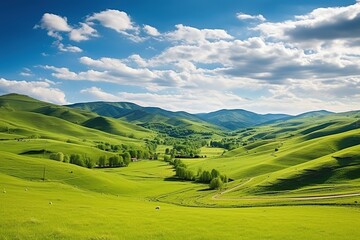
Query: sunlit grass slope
{"x":69,"y":209}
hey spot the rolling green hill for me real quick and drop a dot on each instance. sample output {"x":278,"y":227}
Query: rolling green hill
{"x":150,"y":117}
{"x":238,"y":118}
{"x":287,"y":171}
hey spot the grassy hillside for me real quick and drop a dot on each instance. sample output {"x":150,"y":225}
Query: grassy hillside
{"x":295,"y":178}
{"x":238,"y":118}
{"x":22,"y":114}
{"x":175,"y":124}
{"x":66,"y":208}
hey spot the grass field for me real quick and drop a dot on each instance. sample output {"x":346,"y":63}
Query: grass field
{"x":56,"y":210}
{"x":291,"y":179}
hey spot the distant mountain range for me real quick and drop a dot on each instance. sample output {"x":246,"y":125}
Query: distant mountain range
{"x":224,"y":119}
{"x":96,"y":114}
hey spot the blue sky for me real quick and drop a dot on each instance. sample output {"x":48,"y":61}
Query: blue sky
{"x":198,"y":56}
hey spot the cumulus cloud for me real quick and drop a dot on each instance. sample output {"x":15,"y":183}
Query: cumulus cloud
{"x":320,"y":24}
{"x":151,"y":30}
{"x":54,"y":23}
{"x":67,"y":48}
{"x":193,"y":35}
{"x":114,"y":19}
{"x":119,"y":21}
{"x":42,"y":90}
{"x":275,"y":66}
{"x":85,"y":32}
{"x":99,"y":94}
{"x":243,"y":16}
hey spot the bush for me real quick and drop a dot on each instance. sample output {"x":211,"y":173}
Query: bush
{"x":77,"y":160}
{"x":216,"y":183}
{"x":102,"y":161}
{"x":89,"y":163}
{"x":57,"y":156}
{"x":215,"y":173}
{"x":167,"y":158}
{"x":66,"y":158}
{"x":224,"y":178}
{"x":205,"y":177}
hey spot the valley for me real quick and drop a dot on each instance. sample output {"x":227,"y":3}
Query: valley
{"x":121,"y":171}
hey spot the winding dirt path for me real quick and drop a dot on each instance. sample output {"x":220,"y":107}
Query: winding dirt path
{"x":216,"y":196}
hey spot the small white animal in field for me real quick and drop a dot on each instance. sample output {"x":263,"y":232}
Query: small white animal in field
{"x":50,"y":203}
{"x":157,"y":207}
{"x":26,"y":189}
{"x":4,"y":191}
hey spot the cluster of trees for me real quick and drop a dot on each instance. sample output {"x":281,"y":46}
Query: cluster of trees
{"x":122,"y":160}
{"x":77,"y":159}
{"x":119,"y":160}
{"x":213,"y":178}
{"x":105,"y":146}
{"x":176,"y":132}
{"x":226,"y":143}
{"x":188,"y":148}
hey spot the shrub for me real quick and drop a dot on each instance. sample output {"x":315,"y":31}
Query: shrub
{"x":89,"y":163}
{"x":57,"y":156}
{"x":205,"y":177}
{"x":77,"y":160}
{"x":102,"y":161}
{"x":216,"y":183}
{"x":215,"y":173}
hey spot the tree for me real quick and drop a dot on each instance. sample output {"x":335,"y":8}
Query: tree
{"x":77,"y":160}
{"x":224,"y":178}
{"x":66,"y":158}
{"x":215,"y":173}
{"x":102,"y":161}
{"x":205,"y":177}
{"x":216,"y":183}
{"x":120,"y":161}
{"x":127,"y":157}
{"x":114,"y":161}
{"x":166,"y":158}
{"x":88,"y":162}
{"x":132,"y":153}
{"x":57,"y":156}
{"x":139,"y":154}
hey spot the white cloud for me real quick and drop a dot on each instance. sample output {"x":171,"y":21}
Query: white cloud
{"x":68,"y":48}
{"x":99,"y":94}
{"x":287,"y":73}
{"x":54,"y":23}
{"x":193,"y":35}
{"x":26,"y":72}
{"x":243,"y":16}
{"x":319,"y":26}
{"x":85,"y":32}
{"x":119,"y":21}
{"x":151,"y":30}
{"x":42,"y":90}
{"x":113,"y":19}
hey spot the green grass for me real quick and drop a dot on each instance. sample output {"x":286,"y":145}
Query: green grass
{"x":299,"y":191}
{"x":77,"y":213}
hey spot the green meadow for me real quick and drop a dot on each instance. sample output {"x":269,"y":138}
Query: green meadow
{"x":295,"y":178}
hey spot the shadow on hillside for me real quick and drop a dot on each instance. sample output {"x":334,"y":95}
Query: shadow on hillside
{"x":204,"y":190}
{"x":173,"y":179}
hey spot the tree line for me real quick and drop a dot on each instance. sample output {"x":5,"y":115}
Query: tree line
{"x":214,"y":178}
{"x":118,"y":160}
